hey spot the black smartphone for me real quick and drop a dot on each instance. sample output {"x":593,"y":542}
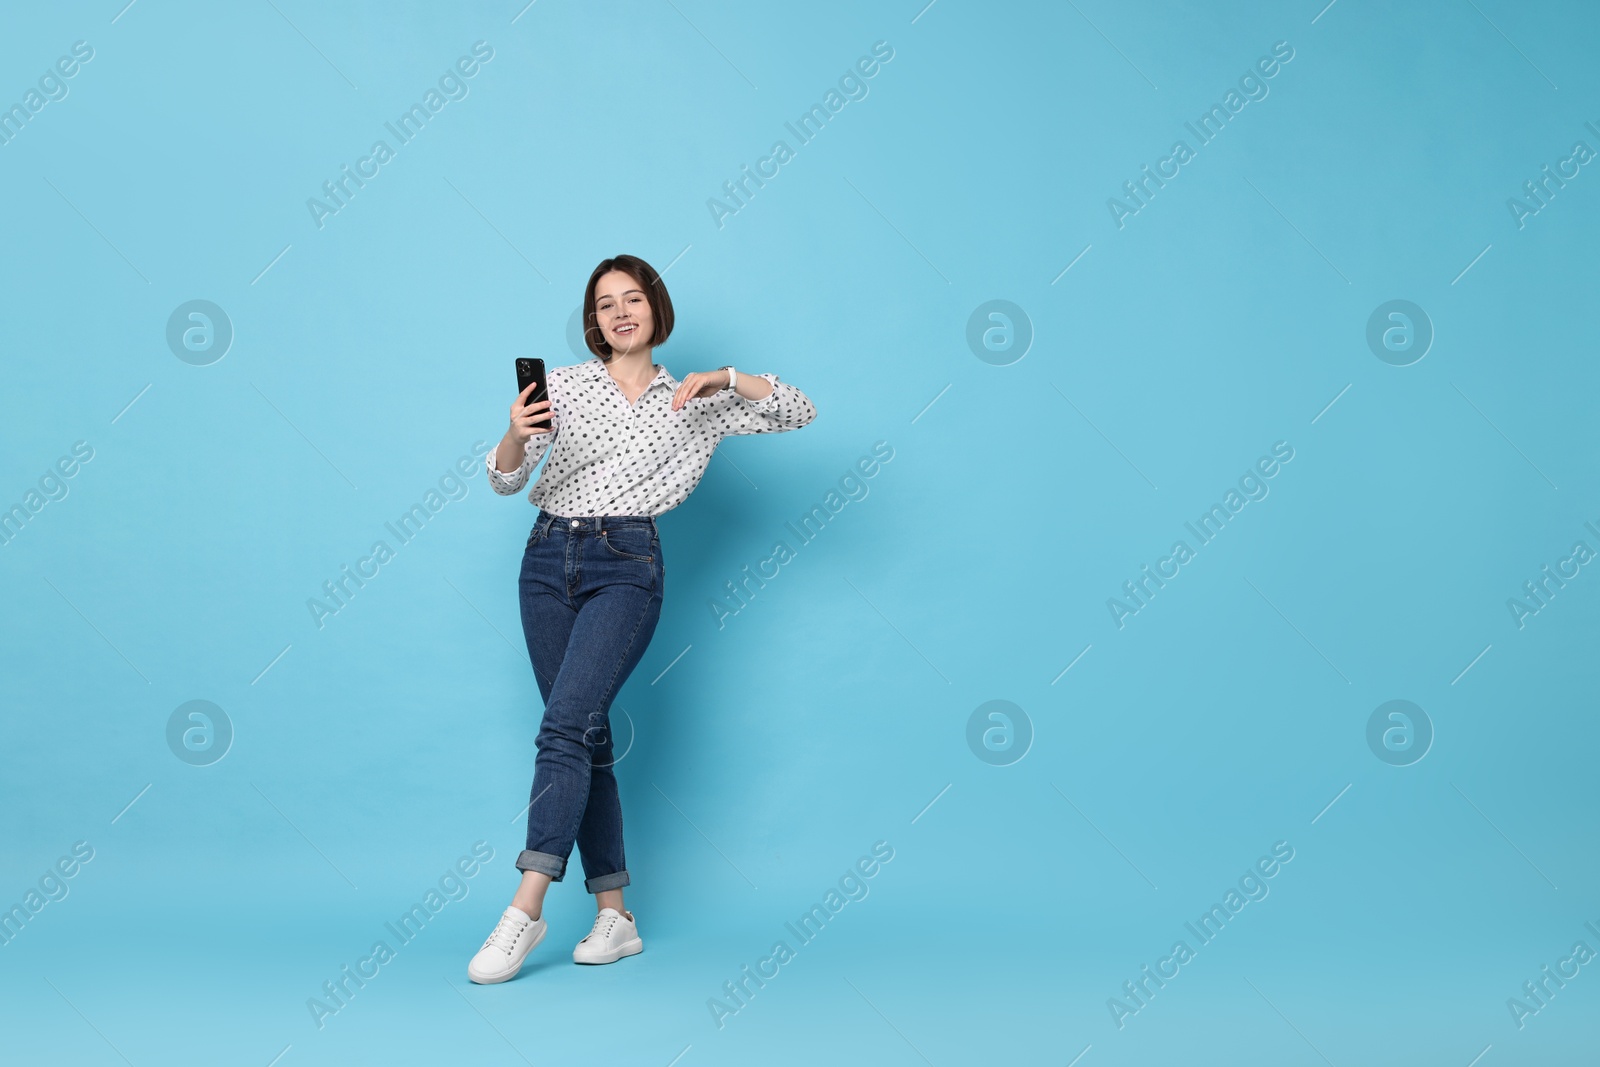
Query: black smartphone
{"x":528,"y":372}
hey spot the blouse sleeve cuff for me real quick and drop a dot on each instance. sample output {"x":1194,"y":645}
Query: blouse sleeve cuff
{"x":503,"y":482}
{"x":768,"y":403}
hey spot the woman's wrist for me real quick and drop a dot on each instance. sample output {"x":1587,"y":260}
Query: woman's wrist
{"x":752,"y":386}
{"x":508,"y":456}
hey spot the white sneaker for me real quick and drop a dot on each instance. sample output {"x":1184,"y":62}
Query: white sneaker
{"x":613,"y":937}
{"x":508,"y":945}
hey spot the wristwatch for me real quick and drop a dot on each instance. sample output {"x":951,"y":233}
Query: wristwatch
{"x":733,"y":376}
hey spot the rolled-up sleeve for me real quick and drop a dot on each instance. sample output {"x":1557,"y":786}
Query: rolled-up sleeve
{"x":785,"y":408}
{"x":508,"y":482}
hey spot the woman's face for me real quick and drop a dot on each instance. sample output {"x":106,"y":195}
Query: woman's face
{"x":623,"y":312}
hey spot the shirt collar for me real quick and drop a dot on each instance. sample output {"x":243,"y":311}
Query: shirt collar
{"x":597,"y":370}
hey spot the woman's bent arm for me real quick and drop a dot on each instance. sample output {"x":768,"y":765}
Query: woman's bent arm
{"x":783,"y":408}
{"x":530,"y":434}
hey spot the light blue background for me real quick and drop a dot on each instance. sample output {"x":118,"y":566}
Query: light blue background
{"x":1224,"y":317}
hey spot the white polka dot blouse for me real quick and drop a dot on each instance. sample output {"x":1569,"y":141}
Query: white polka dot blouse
{"x":609,"y":457}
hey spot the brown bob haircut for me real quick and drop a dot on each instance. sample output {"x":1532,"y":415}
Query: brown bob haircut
{"x":655,"y":294}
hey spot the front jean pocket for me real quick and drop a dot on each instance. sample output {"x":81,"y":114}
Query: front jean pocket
{"x":538,"y":533}
{"x":630,"y":542}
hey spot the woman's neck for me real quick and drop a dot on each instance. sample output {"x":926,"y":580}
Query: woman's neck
{"x":635,"y":369}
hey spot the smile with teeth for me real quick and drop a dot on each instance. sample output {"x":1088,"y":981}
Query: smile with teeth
{"x":625,"y":328}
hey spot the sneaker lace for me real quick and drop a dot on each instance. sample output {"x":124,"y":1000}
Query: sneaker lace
{"x":505,"y":933}
{"x":603,"y":925}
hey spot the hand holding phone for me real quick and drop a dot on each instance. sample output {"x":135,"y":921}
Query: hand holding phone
{"x":530,"y":411}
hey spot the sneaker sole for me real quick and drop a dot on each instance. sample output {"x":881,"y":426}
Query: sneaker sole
{"x":487,"y":980}
{"x":627,"y":948}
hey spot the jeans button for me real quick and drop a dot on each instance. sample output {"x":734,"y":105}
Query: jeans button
{"x":574,"y":523}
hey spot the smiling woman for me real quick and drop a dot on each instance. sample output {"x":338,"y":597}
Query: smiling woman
{"x":626,"y":442}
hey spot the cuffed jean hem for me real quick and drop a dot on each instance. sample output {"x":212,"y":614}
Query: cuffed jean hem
{"x":542,"y":862}
{"x":607,"y":881}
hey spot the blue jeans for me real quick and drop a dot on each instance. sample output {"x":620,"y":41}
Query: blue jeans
{"x":591,"y":592}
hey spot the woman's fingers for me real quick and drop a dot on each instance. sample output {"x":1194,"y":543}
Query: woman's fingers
{"x":695,"y":384}
{"x":524,"y":416}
